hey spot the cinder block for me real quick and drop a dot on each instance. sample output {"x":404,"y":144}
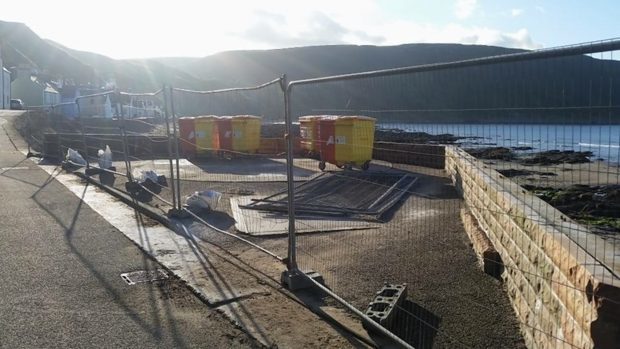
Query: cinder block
{"x":383,"y":307}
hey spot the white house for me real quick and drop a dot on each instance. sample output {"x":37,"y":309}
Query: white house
{"x":68,"y":95}
{"x":5,"y":85}
{"x":32,"y":91}
{"x":142,"y":107}
{"x":95,"y":106}
{"x":5,"y":89}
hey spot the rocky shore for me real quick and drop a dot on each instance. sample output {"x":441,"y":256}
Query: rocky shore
{"x":543,"y":158}
{"x":598,"y":206}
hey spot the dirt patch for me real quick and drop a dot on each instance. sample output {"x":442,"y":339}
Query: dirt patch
{"x":176,"y":293}
{"x":423,"y":245}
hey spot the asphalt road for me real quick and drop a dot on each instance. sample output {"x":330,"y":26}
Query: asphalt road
{"x":60,"y":266}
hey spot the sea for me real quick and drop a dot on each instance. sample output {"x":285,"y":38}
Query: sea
{"x":602,"y":140}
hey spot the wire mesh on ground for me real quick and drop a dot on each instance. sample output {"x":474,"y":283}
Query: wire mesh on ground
{"x":365,"y":195}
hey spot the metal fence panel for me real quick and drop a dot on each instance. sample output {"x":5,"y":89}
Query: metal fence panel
{"x":515,"y":155}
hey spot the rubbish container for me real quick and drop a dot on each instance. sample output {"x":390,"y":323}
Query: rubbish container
{"x":355,"y":136}
{"x":188,"y":136}
{"x":325,"y":140}
{"x":346,"y":141}
{"x":205,"y":130}
{"x":246,"y":133}
{"x":309,"y":132}
{"x":224,"y":133}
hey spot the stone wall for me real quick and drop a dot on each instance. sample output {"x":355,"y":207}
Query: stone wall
{"x":561,"y":279}
{"x":427,"y":155}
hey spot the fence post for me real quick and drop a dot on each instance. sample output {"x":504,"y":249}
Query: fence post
{"x":176,"y":149}
{"x":79,"y":116}
{"x":29,"y":133}
{"x":167,"y":118}
{"x":292,"y":239}
{"x":293,"y":278}
{"x":121,"y":115}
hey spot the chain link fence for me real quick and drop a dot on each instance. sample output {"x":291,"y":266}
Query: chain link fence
{"x":396,"y":186}
{"x":231,"y":145}
{"x":515,"y":155}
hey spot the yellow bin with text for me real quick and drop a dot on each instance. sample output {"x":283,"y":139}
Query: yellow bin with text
{"x":246,"y":133}
{"x":308,"y":130}
{"x":205,"y":130}
{"x":354,"y":138}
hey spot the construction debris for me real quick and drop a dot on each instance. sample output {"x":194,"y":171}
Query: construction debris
{"x":364,"y":195}
{"x":203,"y":200}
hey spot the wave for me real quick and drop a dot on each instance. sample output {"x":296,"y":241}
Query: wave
{"x":597,"y":145}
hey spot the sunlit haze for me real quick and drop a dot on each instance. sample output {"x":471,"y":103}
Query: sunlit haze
{"x":140,"y":28}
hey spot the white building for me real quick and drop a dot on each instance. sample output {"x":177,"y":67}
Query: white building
{"x":5,"y":85}
{"x":32,"y":91}
{"x":5,"y":89}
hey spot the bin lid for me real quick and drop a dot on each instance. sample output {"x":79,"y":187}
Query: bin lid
{"x":310,"y":117}
{"x":247,"y":117}
{"x":206,"y":117}
{"x":328,"y":117}
{"x":357,"y":117}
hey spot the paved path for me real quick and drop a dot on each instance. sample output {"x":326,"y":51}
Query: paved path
{"x":60,"y":286}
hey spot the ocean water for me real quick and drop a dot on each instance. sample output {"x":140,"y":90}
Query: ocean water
{"x":602,"y":140}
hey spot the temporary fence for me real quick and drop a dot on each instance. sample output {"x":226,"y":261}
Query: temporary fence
{"x":517,"y":154}
{"x":396,"y":186}
{"x":231,"y":144}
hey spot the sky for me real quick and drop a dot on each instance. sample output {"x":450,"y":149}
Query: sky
{"x":142,"y":29}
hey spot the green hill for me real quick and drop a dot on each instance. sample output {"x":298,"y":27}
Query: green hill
{"x":256,"y":66}
{"x":578,"y":89}
{"x":20,"y":45}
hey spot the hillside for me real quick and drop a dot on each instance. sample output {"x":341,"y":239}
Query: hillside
{"x":556,"y":90}
{"x":543,"y":91}
{"x":256,"y":66}
{"x":20,"y":45}
{"x":139,"y":75}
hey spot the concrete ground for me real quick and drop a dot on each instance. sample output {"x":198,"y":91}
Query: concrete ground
{"x":451,"y":303}
{"x":60,"y":264}
{"x":238,"y":288}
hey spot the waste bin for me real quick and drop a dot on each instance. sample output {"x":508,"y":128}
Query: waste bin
{"x":205,"y":130}
{"x":224,"y":133}
{"x":325,"y":140}
{"x":346,"y":141}
{"x":188,"y":136}
{"x":355,"y":136}
{"x":246,"y":133}
{"x":309,"y":133}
